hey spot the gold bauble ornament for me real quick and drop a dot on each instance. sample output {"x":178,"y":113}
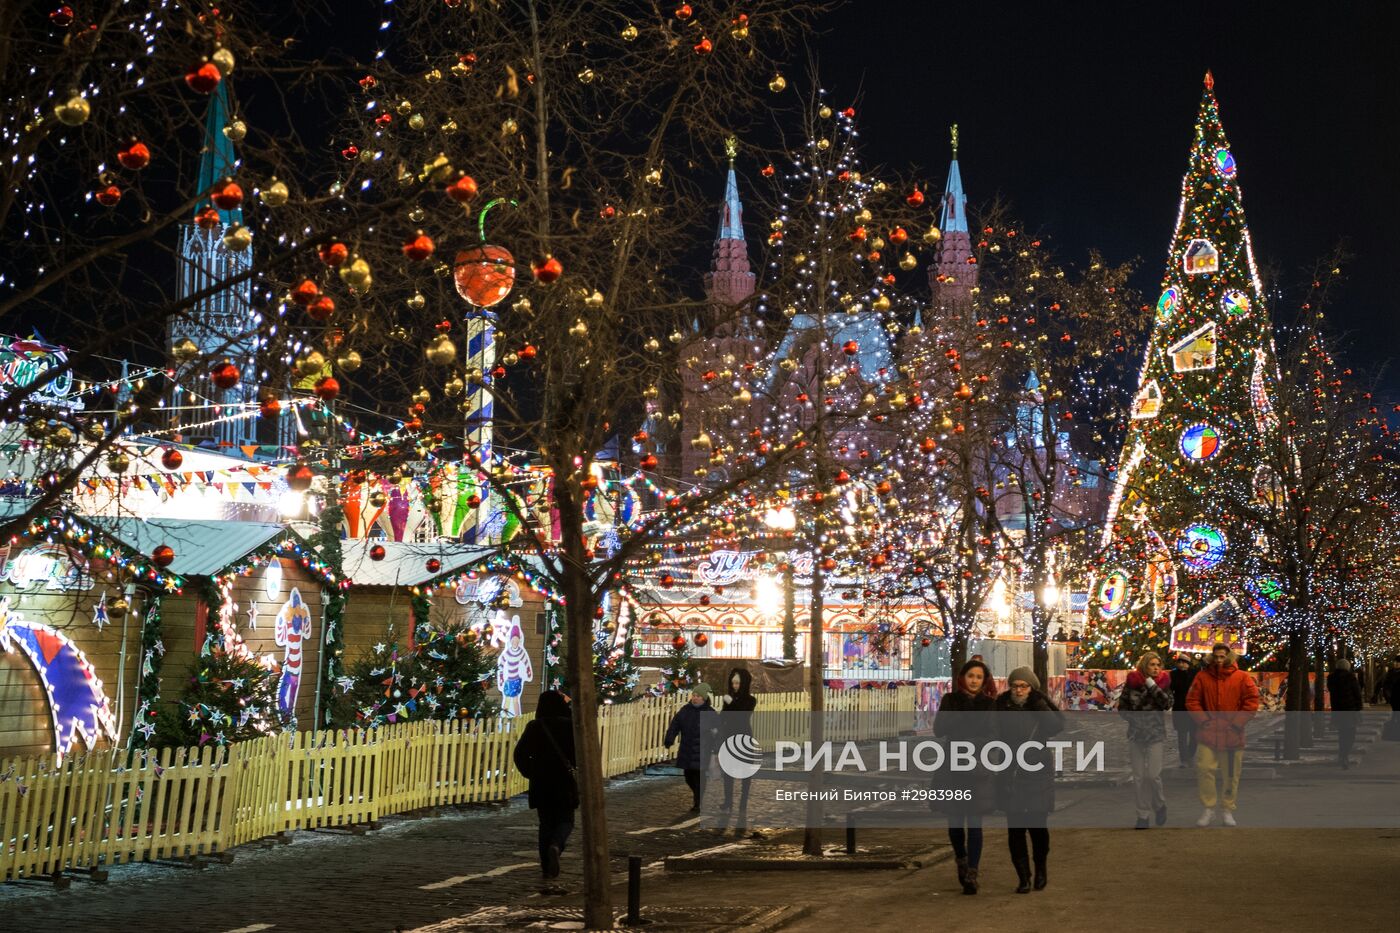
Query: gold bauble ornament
{"x":777,"y":84}
{"x":422,"y":396}
{"x":587,"y":76}
{"x":63,"y":437}
{"x":275,"y":194}
{"x":185,"y":350}
{"x":509,"y":127}
{"x":349,"y":361}
{"x":881,"y":303}
{"x":95,"y":431}
{"x":356,"y":274}
{"x":312,"y":363}
{"x":223,"y":60}
{"x":908,"y":261}
{"x":442,"y":351}
{"x":237,"y":238}
{"x":416,"y":122}
{"x":118,"y":462}
{"x":454,"y":387}
{"x":417,"y":301}
{"x":236,"y":131}
{"x":73,"y":112}
{"x":933,"y":235}
{"x":434,"y":76}
{"x":118,"y":607}
{"x":629,"y":32}
{"x":824,"y":112}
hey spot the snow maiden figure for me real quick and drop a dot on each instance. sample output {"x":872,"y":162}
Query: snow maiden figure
{"x":513,"y":670}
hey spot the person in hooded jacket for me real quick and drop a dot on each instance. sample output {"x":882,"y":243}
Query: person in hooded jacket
{"x":690,"y":724}
{"x":1344,"y":692}
{"x":1183,"y":674}
{"x":963,"y":716}
{"x":1222,"y":700}
{"x":736,"y":718}
{"x":1146,"y":697}
{"x":544,"y":756}
{"x":1027,"y":794}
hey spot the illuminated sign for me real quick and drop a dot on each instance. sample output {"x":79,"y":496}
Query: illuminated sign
{"x":24,"y":363}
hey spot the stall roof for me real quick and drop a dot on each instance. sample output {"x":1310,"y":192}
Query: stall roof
{"x":405,"y":563}
{"x":202,"y":548}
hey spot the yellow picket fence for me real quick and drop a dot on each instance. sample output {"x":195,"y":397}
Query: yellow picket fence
{"x":115,"y":806}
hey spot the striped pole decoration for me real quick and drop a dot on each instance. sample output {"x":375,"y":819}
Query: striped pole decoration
{"x":481,"y":358}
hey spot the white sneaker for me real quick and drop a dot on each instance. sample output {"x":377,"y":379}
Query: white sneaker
{"x":1229,"y":818}
{"x":1206,"y":818}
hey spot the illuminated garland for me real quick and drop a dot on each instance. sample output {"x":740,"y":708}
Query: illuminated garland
{"x":93,"y":543}
{"x":148,"y":692}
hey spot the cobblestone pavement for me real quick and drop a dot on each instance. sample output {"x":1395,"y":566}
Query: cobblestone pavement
{"x":411,"y":873}
{"x":407,"y":874}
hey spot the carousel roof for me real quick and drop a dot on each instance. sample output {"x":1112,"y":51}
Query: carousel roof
{"x":202,"y":547}
{"x":405,"y":563}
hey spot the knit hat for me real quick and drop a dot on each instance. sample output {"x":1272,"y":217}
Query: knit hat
{"x":1342,"y":664}
{"x":705,"y":690}
{"x":1025,"y":674}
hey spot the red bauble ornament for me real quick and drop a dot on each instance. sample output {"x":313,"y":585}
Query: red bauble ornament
{"x":305,"y":292}
{"x":925,"y":642}
{"x":227,"y":195}
{"x":135,"y":157}
{"x":322,"y":308}
{"x":850,"y":348}
{"x":678,"y":642}
{"x":62,"y":17}
{"x":163,"y":556}
{"x":684,"y":11}
{"x":701,"y":639}
{"x":376,"y":552}
{"x":299,"y":477}
{"x":327,"y":388}
{"x":172,"y":459}
{"x":462,"y":190}
{"x":419,"y":247}
{"x":109,"y":196}
{"x":704,"y":47}
{"x":269,"y":407}
{"x":433,"y":565}
{"x":649,"y":462}
{"x":333,"y":254}
{"x":528,"y":352}
{"x":484,"y":275}
{"x":547,"y":270}
{"x":225,"y":375}
{"x":207,"y":219}
{"x":204,"y":79}
{"x":915,"y":198}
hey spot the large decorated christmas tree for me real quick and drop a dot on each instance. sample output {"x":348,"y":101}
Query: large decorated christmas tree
{"x":1174,"y":541}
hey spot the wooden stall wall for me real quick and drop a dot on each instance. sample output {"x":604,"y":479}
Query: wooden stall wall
{"x":376,"y":615}
{"x":272,"y":593}
{"x":26,"y":723}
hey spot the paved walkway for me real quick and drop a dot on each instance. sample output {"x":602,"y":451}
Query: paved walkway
{"x":416,"y":872}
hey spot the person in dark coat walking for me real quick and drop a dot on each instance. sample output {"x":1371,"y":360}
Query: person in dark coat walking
{"x":963,"y":717}
{"x":1390,"y":689}
{"x":1182,"y":676}
{"x":690,"y":724}
{"x":1146,"y":697}
{"x":1027,"y":796}
{"x":1344,"y":692}
{"x":544,"y":756}
{"x":736,"y":718}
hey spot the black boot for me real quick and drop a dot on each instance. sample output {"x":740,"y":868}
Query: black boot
{"x":962,"y":869}
{"x":970,"y":881}
{"x":1040,"y":879}
{"x":1023,"y":874}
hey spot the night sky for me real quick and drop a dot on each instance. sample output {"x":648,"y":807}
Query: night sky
{"x":1081,"y":114}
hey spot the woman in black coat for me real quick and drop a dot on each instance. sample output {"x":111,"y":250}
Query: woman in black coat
{"x":736,"y":718}
{"x":1027,"y":796}
{"x":964,"y":716}
{"x":544,"y":756}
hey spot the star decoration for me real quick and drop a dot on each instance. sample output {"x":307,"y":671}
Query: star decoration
{"x":99,"y":612}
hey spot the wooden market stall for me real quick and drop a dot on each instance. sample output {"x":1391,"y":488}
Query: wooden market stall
{"x":461,"y":590}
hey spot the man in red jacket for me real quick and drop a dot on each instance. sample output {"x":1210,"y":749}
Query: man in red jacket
{"x":1221,"y":701}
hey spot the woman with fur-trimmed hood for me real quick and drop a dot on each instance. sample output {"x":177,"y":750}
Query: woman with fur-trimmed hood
{"x":1144,"y":702}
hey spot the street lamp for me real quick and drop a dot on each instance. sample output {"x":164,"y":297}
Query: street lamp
{"x":784,"y":520}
